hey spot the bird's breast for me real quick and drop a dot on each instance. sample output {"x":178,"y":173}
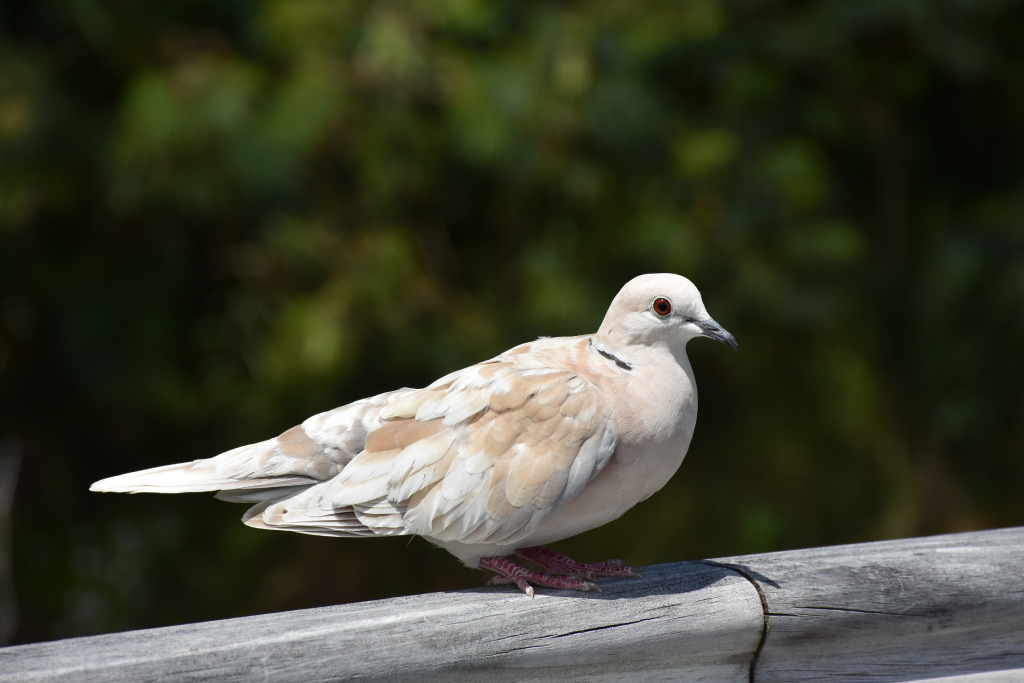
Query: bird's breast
{"x":654,"y":417}
{"x":655,"y":410}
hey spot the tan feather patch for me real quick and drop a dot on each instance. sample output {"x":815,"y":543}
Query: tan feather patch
{"x":498,"y":504}
{"x":543,"y":429}
{"x":530,"y":474}
{"x":538,"y":411}
{"x":401,"y":434}
{"x":551,"y":489}
{"x":555,"y":393}
{"x":296,"y":433}
{"x":298,"y":446}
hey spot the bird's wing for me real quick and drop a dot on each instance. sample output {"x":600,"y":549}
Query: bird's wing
{"x":483,"y":455}
{"x":305,"y":455}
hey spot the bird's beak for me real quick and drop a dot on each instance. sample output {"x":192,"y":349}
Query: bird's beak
{"x":713,"y":330}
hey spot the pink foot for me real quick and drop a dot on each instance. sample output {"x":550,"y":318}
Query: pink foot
{"x":556,"y":563}
{"x":510,"y":572}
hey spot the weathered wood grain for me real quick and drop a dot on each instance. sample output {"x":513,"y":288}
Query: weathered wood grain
{"x":949,"y":609}
{"x":894,"y":611}
{"x":684,"y":622}
{"x":1005,"y":676}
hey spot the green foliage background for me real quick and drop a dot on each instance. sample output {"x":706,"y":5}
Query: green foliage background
{"x":220,"y":217}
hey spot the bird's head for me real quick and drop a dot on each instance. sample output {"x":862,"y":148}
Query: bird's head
{"x":659,"y":308}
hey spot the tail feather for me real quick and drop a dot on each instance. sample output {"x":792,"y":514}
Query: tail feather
{"x":292,"y":459}
{"x":250,"y":496}
{"x":190,"y":477}
{"x":269,"y":473}
{"x":342,"y":523}
{"x":308,"y":454}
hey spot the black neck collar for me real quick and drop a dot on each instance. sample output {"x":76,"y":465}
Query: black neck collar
{"x":612,"y":357}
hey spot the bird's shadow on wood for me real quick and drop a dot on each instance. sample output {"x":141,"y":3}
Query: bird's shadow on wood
{"x":662,"y":579}
{"x":746,"y":572}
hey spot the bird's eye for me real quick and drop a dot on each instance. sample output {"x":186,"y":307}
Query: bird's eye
{"x":662,"y":306}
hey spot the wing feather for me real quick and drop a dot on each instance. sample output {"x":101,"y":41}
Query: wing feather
{"x":483,"y":455}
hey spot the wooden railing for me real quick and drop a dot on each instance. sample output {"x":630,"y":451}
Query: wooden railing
{"x":945,"y":607}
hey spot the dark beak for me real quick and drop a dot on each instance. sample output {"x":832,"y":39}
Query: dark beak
{"x":713,"y":330}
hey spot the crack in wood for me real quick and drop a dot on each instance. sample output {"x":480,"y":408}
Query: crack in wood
{"x":861,"y":611}
{"x":513,"y":650}
{"x":602,"y":628}
{"x":752,"y":670}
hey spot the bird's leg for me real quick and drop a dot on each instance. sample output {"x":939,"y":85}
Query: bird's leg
{"x":510,"y":572}
{"x":556,"y":563}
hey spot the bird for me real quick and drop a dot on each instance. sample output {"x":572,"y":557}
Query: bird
{"x":547,"y":440}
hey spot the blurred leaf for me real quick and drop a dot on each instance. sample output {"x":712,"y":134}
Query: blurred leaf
{"x":798,"y":174}
{"x":826,"y":244}
{"x":702,"y":153}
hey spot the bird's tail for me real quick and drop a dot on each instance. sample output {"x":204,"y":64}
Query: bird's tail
{"x":249,"y":474}
{"x":280,"y":469}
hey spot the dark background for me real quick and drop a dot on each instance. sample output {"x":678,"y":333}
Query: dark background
{"x":218,"y":217}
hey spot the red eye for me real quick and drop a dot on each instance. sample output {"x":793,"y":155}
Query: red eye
{"x":662,"y":306}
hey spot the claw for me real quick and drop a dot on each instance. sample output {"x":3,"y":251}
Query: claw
{"x":558,"y":564}
{"x":509,"y":572}
{"x":559,"y":571}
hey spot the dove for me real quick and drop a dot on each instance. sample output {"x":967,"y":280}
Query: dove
{"x":545,"y":441}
